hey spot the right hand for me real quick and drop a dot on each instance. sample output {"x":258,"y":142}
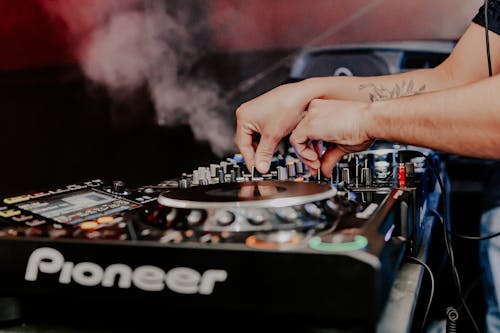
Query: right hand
{"x":273,"y":115}
{"x":344,"y":124}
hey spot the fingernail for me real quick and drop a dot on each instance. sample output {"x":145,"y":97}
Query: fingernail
{"x":262,"y":166}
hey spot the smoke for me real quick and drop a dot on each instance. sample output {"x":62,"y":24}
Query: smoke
{"x":126,"y":45}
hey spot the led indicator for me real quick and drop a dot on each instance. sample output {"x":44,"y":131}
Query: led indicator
{"x":17,"y":199}
{"x":359,"y":242}
{"x":9,"y":213}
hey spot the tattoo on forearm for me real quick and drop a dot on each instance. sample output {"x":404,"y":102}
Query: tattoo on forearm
{"x":379,"y":93}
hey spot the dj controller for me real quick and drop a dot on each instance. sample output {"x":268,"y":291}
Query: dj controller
{"x":226,"y":239}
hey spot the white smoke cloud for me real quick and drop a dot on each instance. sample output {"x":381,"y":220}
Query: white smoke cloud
{"x":139,"y":44}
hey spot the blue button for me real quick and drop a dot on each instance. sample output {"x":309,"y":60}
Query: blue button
{"x":238,"y":158}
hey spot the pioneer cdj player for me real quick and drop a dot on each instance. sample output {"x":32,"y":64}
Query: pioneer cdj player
{"x":225,"y":239}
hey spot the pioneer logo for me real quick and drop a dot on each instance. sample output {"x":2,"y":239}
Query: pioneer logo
{"x":183,"y":280}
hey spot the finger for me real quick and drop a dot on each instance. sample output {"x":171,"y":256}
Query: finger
{"x":313,"y":171}
{"x":303,"y":147}
{"x":331,"y":157}
{"x":311,"y":164}
{"x":265,"y":151}
{"x":244,"y":143}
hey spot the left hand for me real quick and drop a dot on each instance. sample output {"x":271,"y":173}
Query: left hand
{"x":345,"y":124}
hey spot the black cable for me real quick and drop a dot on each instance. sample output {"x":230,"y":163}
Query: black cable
{"x":468,"y":237}
{"x":431,"y":294}
{"x":486,"y":30}
{"x":451,"y":322}
{"x":477,"y":238}
{"x":452,"y":312}
{"x":447,"y":240}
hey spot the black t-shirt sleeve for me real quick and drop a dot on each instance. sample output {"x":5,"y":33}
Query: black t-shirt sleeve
{"x":493,"y":16}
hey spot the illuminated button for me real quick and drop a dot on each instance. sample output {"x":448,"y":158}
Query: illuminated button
{"x":36,"y":222}
{"x":22,"y":218}
{"x":57,"y":233}
{"x":225,"y":218}
{"x":9,"y":213}
{"x":339,"y":243}
{"x":274,"y":240}
{"x":89,"y":225}
{"x":238,"y":158}
{"x":93,"y":235}
{"x":105,"y":219}
{"x":17,"y":199}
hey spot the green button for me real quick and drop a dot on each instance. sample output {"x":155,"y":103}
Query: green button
{"x":358,"y":243}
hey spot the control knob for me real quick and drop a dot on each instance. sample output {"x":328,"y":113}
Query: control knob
{"x":224,"y":218}
{"x":195,"y":217}
{"x":118,"y":187}
{"x":256,"y":217}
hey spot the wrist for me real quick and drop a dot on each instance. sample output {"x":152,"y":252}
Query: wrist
{"x":317,"y":87}
{"x":375,"y":120}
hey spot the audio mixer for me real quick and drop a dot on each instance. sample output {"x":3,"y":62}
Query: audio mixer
{"x":227,"y":239}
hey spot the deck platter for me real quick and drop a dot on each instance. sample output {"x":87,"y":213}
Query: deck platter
{"x":250,"y":194}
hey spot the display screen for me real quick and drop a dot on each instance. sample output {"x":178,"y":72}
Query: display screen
{"x":77,"y":207}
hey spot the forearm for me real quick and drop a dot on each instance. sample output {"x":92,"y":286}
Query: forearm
{"x":463,"y":120}
{"x":466,"y":64}
{"x":384,"y":87}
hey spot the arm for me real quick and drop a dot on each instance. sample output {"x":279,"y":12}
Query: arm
{"x":467,"y":63}
{"x":463,"y":120}
{"x":276,"y":113}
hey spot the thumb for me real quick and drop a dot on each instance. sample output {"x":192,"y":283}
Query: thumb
{"x":265,"y":151}
{"x":331,"y":157}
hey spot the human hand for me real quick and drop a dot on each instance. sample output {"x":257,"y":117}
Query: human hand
{"x":345,"y":124}
{"x":273,"y":115}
